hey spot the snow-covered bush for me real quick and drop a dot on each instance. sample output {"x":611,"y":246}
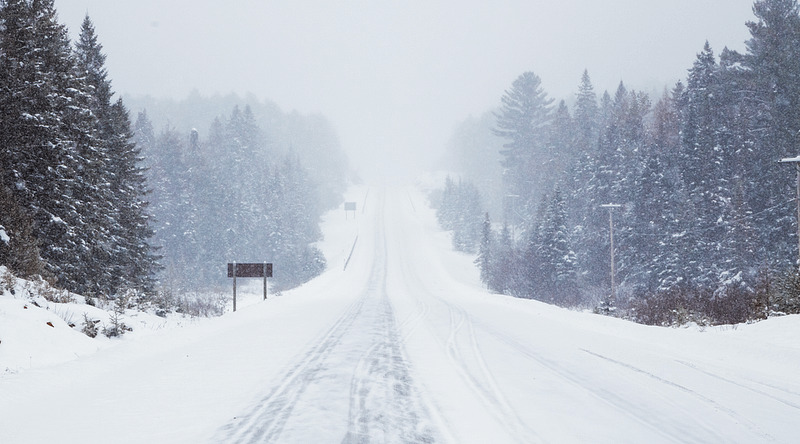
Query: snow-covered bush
{"x":116,"y":327}
{"x":89,"y":326}
{"x":681,"y":306}
{"x":202,"y":304}
{"x":7,"y":281}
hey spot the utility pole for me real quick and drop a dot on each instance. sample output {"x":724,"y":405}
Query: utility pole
{"x":796,"y":162}
{"x":610,"y":206}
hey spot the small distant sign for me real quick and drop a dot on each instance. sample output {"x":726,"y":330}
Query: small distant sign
{"x":348,"y":207}
{"x":250,"y":270}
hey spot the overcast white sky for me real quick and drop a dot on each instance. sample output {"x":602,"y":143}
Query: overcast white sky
{"x":395,"y":77}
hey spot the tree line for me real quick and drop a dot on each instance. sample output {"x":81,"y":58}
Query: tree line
{"x":706,"y":210}
{"x":229,"y":198}
{"x":102,"y":206}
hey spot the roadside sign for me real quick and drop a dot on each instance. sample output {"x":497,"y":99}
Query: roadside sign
{"x":349,"y":206}
{"x":251,"y":270}
{"x":262,"y":270}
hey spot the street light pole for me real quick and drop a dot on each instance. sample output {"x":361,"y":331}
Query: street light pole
{"x":611,"y":207}
{"x":796,"y":162}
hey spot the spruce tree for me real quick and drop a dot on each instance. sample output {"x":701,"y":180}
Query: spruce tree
{"x":485,"y":261}
{"x":129,"y":261}
{"x":559,"y":264}
{"x":523,"y":120}
{"x":507,"y":277}
{"x":771,"y":80}
{"x":586,"y":115}
{"x":52,"y":159}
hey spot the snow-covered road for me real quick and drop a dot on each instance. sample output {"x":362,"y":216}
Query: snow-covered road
{"x":404,"y":345}
{"x":353,"y":380}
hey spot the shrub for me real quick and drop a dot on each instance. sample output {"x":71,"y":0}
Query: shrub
{"x":117,"y":327}
{"x":89,"y":326}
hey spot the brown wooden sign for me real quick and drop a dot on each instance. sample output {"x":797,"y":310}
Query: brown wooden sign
{"x":251,"y":270}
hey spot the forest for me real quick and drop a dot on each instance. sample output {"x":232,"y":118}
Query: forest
{"x":103,"y":205}
{"x":706,"y":226}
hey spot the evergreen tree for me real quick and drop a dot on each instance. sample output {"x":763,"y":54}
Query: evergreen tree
{"x":130,"y":260}
{"x":52,"y":159}
{"x":523,"y":119}
{"x":586,"y":116}
{"x":507,"y":277}
{"x":460,"y":212}
{"x":474,"y":151}
{"x":771,"y":80}
{"x":485,"y":260}
{"x":562,"y":151}
{"x":558,"y":261}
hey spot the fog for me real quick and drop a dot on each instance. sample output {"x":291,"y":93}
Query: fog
{"x":395,"y":77}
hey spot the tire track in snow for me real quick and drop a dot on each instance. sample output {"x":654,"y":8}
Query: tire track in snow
{"x":482,"y":383}
{"x":735,"y":416}
{"x":730,"y":381}
{"x":464,"y":360}
{"x":607,"y":397}
{"x":384,"y":403}
{"x":266,"y":421}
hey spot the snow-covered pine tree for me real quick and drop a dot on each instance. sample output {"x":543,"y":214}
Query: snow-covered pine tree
{"x":585,"y":116}
{"x":562,"y":149}
{"x":507,"y":275}
{"x":129,"y":260}
{"x":52,"y":159}
{"x":485,"y":260}
{"x":770,"y":82}
{"x":558,"y":262}
{"x":523,"y":120}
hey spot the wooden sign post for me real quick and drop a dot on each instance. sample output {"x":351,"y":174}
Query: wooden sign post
{"x":256,"y":270}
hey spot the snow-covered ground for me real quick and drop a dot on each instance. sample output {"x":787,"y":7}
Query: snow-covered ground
{"x":401,"y":345}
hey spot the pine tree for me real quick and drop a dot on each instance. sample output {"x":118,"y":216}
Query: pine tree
{"x":129,"y":261}
{"x":506,"y":275}
{"x":703,"y":168}
{"x":52,"y":159}
{"x":586,"y":115}
{"x":562,"y":148}
{"x":523,"y":119}
{"x":559,"y":264}
{"x":771,"y":81}
{"x":485,"y":261}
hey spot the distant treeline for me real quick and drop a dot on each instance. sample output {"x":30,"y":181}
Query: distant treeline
{"x":707,"y":223}
{"x":311,"y":137}
{"x":229,"y":198}
{"x":101,"y":207}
